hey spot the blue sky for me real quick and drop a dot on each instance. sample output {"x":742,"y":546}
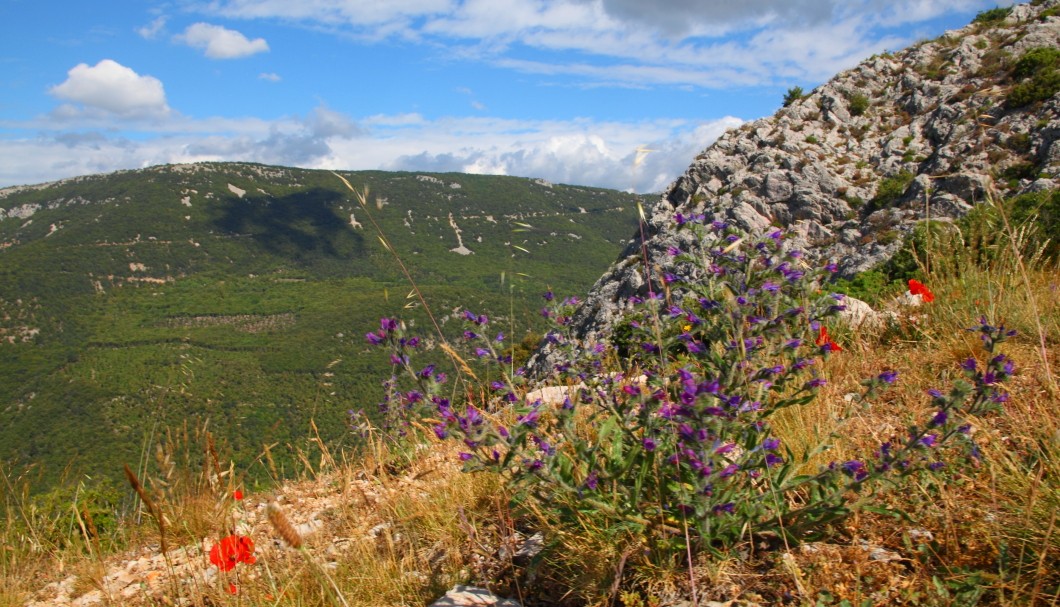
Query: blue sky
{"x":566,"y":90}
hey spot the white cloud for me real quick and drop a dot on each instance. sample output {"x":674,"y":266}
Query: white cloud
{"x":270,"y":76}
{"x":112,"y":88}
{"x":703,"y":43}
{"x":153,"y":29}
{"x":221,"y":43}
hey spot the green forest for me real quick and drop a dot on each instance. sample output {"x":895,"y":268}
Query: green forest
{"x":235,"y":297}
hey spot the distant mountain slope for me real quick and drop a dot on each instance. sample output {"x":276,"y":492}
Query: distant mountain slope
{"x":851,"y":167}
{"x":227,"y":292}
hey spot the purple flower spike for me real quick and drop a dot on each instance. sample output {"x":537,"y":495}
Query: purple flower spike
{"x":888,"y":377}
{"x":591,"y":481}
{"x":726,"y":508}
{"x":855,"y":469}
{"x":939,"y":419}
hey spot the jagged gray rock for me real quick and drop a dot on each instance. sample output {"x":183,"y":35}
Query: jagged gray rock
{"x":935,"y":112}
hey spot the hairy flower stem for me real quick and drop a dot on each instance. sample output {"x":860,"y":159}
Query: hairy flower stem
{"x":362,"y":199}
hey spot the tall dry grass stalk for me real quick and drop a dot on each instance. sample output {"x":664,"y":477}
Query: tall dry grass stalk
{"x":152,"y":507}
{"x":283,"y":527}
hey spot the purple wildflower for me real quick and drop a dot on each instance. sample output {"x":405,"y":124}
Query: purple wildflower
{"x":529,"y":420}
{"x":591,"y":481}
{"x":855,"y":469}
{"x":729,"y":471}
{"x":727,"y":508}
{"x":940,"y":418}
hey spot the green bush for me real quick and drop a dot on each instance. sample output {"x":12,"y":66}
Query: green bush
{"x":1034,"y":61}
{"x":928,"y":243}
{"x":1042,"y":211}
{"x":1037,"y":69}
{"x":1021,"y":170}
{"x":871,"y":286}
{"x":794,"y":94}
{"x":992,"y":16}
{"x":891,"y":190}
{"x":858,"y":104}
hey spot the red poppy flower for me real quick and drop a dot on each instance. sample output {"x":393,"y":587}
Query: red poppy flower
{"x":231,"y":550}
{"x":238,"y":495}
{"x":825,"y":341}
{"x":918,"y":288}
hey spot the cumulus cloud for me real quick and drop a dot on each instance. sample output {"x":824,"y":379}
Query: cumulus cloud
{"x":112,"y":88}
{"x":218,"y":42}
{"x":270,"y":76}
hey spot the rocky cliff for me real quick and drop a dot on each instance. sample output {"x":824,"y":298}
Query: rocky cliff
{"x":851,"y":167}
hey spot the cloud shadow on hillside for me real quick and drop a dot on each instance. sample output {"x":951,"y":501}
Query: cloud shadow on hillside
{"x":303,"y":226}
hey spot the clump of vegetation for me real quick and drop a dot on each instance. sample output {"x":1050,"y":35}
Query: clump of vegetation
{"x":794,"y":94}
{"x":679,"y":442}
{"x":992,"y":16}
{"x":1012,"y":174}
{"x":1039,"y":212}
{"x":890,"y":190}
{"x":858,"y":104}
{"x":1038,"y":76}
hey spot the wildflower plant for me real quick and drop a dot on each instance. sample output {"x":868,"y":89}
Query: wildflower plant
{"x":665,"y":430}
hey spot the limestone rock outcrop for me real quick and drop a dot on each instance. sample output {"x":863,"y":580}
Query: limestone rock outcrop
{"x":850,"y":168}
